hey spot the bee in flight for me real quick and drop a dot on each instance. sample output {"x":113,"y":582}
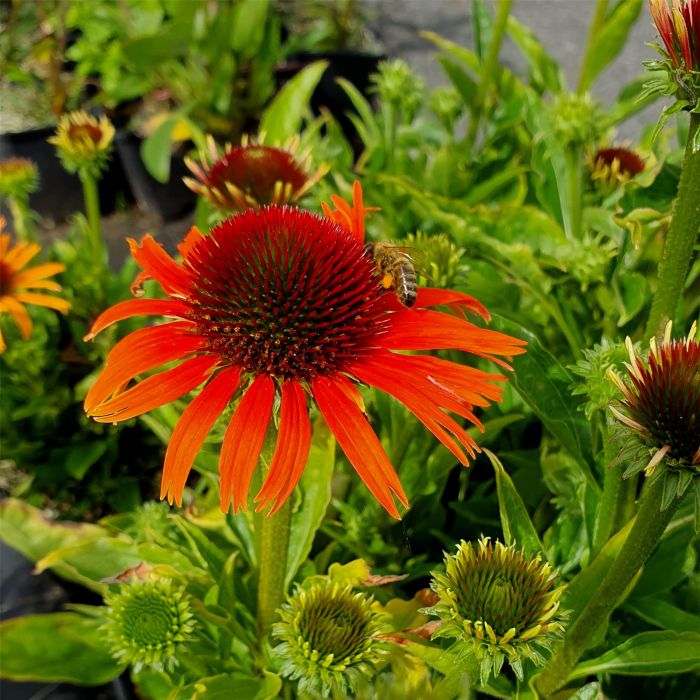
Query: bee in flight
{"x":396,"y":270}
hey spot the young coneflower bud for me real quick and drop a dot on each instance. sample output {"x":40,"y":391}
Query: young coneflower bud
{"x":18,"y":178}
{"x":252,"y":174}
{"x":576,"y":119}
{"x":499,"y":603}
{"x":328,"y":638}
{"x":661,"y":406}
{"x":83,"y":142}
{"x":615,"y":166}
{"x":147,"y":623}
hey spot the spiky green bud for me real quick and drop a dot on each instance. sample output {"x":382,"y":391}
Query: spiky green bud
{"x":328,"y":637}
{"x":499,"y":603}
{"x":147,"y":623}
{"x":19,"y":177}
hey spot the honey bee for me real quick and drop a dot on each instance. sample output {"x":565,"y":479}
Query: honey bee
{"x":396,"y":270}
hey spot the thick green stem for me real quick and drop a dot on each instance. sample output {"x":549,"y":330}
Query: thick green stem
{"x":21,"y":220}
{"x":681,"y":237}
{"x":92,"y":211}
{"x":574,"y":193}
{"x":272,"y":539}
{"x":643,"y":538}
{"x":488,"y":69}
{"x":601,"y":10}
{"x":613,"y":493}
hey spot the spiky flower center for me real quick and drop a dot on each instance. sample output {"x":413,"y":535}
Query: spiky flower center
{"x":665,"y":399}
{"x":81,"y":133}
{"x":149,"y":622}
{"x":286,"y":293}
{"x":629,"y":163}
{"x":500,"y":588}
{"x":255,"y":169}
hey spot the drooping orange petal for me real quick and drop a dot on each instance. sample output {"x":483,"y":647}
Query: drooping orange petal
{"x":4,"y":238}
{"x":291,"y":451}
{"x":158,"y":265}
{"x":194,"y":235}
{"x":359,"y":443}
{"x":429,"y":296}
{"x":137,"y":307}
{"x":40,"y":272}
{"x":350,"y":217}
{"x":413,"y":329}
{"x":156,"y":391}
{"x":49,"y":285}
{"x":43,"y":300}
{"x":142,"y":351}
{"x":21,"y":254}
{"x":243,"y":442}
{"x":19,"y":314}
{"x":190,"y":431}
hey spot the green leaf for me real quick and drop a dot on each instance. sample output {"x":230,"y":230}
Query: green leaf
{"x":647,"y":654}
{"x":546,"y":73}
{"x":468,"y":58}
{"x":156,"y":150}
{"x":57,"y":648}
{"x":231,"y":685}
{"x":282,"y":118}
{"x":315,"y":496}
{"x":633,"y":296}
{"x":515,"y":520}
{"x":609,"y":40}
{"x":463,"y":83}
{"x":545,"y":386}
{"x":25,"y":529}
{"x":248,"y":26}
{"x":663,"y":614}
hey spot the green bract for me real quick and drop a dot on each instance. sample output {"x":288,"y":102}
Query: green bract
{"x":499,"y":603}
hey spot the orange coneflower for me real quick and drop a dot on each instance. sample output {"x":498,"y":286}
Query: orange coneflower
{"x":280,"y":304}
{"x":16,"y":283}
{"x":252,"y":174}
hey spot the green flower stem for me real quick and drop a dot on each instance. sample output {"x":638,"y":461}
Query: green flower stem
{"x":574,"y":193}
{"x":606,"y":518}
{"x":24,"y":230}
{"x":681,"y":236}
{"x":488,"y":69}
{"x":643,"y":538}
{"x":92,"y":211}
{"x":601,"y":10}
{"x":272,"y":539}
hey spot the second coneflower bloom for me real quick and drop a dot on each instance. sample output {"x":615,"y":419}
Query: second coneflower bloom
{"x":84,"y":143}
{"x":661,"y":409}
{"x":19,"y":284}
{"x":252,"y":175}
{"x":615,"y":166}
{"x":282,"y":307}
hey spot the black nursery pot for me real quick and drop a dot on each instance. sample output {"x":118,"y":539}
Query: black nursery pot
{"x":171,"y":200}
{"x":356,"y":68}
{"x":60,"y":194}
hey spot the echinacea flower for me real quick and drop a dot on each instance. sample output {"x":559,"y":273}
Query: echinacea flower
{"x":678,"y":25}
{"x":18,"y":285}
{"x":280,"y":306}
{"x":18,"y":178}
{"x":499,"y":603}
{"x":252,"y":174}
{"x":147,"y":623}
{"x":661,"y":407}
{"x":615,"y":166}
{"x":83,"y":142}
{"x":329,"y":638}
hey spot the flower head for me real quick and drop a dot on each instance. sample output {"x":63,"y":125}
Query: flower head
{"x":147,"y":622}
{"x":18,"y":178}
{"x":280,"y":306}
{"x":678,"y":25}
{"x":329,"y":638}
{"x":252,"y":174}
{"x":17,"y":284}
{"x":83,"y":142}
{"x":500,"y":603}
{"x":615,"y":166}
{"x":661,"y":406}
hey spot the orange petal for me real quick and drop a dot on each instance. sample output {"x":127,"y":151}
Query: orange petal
{"x":22,"y":279}
{"x":192,"y":428}
{"x":243,"y":442}
{"x":4,"y":239}
{"x":21,"y":254}
{"x":291,"y":451}
{"x":359,"y":443}
{"x":158,"y":265}
{"x":142,"y":351}
{"x":428,"y":296}
{"x":19,"y":314}
{"x":194,"y":235}
{"x":137,"y":307}
{"x":43,"y":300}
{"x":156,"y":391}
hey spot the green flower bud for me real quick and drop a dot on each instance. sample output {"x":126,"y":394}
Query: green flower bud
{"x":499,"y":603}
{"x":18,"y":178}
{"x":147,"y":623}
{"x":329,"y":638}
